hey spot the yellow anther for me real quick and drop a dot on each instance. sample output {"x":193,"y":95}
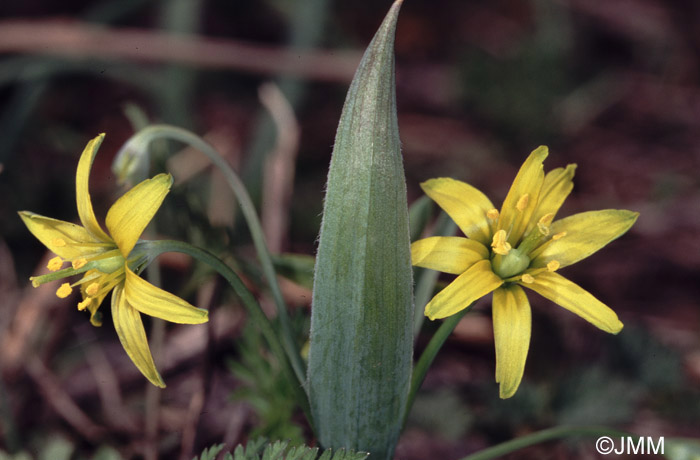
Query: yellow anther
{"x":84,"y":304}
{"x":64,"y":291}
{"x":55,"y":264}
{"x":544,"y":223}
{"x":503,"y":249}
{"x":523,"y":202}
{"x":498,"y":238}
{"x":92,"y":289}
{"x":546,"y":219}
{"x":58,"y":242}
{"x":559,"y":235}
{"x":553,"y":265}
{"x":499,"y":243}
{"x":79,"y":263}
{"x":492,"y":214}
{"x":527,"y":278}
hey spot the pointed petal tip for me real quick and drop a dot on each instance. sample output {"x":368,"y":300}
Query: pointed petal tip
{"x":612,"y":326}
{"x":156,"y":380}
{"x":26,"y":214}
{"x":506,"y":393}
{"x":431,"y":313}
{"x":629,"y":216}
{"x":164,"y":178}
{"x":541,"y":151}
{"x":616,"y":328}
{"x":97,"y":141}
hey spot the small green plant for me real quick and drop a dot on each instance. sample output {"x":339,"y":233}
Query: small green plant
{"x":260,"y":449}
{"x":265,"y":387}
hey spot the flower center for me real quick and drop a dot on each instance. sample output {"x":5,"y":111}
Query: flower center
{"x":510,"y":264}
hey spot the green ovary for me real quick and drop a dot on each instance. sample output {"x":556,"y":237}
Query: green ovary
{"x":511,"y":264}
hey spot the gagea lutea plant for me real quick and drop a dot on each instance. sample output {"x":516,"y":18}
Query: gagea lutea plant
{"x":360,"y":378}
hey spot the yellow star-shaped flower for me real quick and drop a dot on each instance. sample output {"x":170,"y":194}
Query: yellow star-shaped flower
{"x":111,"y":263}
{"x":520,"y":246}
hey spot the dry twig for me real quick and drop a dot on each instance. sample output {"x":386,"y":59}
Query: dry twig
{"x":57,"y":398}
{"x":79,"y":40}
{"x":280,"y":167}
{"x":113,"y":408}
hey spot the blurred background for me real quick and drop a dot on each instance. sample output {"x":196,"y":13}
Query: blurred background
{"x":611,"y":86}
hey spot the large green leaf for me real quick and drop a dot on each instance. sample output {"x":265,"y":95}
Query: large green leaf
{"x":361,"y":345}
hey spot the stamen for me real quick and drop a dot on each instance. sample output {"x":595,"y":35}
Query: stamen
{"x":559,"y":236}
{"x":523,"y":202}
{"x":553,"y":265}
{"x":547,"y":219}
{"x":84,"y":304}
{"x":58,"y":242}
{"x":527,"y":278}
{"x":64,"y":291}
{"x":91,"y":275}
{"x":92,"y":289}
{"x":79,"y":263}
{"x":55,"y":264}
{"x":544,"y":222}
{"x":105,"y":284}
{"x":499,"y":243}
{"x":492,"y":214}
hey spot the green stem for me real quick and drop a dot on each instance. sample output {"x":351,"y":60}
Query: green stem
{"x":258,"y":316}
{"x":426,"y":359}
{"x":543,"y":436}
{"x":138,"y":145}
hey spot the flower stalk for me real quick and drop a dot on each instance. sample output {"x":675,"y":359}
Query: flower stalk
{"x":539,"y":437}
{"x":256,"y":313}
{"x":131,"y":155}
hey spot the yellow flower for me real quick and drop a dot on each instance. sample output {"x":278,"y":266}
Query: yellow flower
{"x":520,"y":246}
{"x":112,"y":263}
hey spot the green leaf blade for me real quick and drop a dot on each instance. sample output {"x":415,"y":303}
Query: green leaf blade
{"x":361,"y":339}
